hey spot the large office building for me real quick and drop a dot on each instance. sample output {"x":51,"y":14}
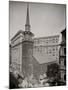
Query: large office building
{"x":46,"y":48}
{"x":32,"y":55}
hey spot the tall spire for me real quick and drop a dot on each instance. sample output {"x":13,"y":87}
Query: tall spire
{"x":27,"y":25}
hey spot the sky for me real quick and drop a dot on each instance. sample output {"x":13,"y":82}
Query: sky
{"x":45,"y":19}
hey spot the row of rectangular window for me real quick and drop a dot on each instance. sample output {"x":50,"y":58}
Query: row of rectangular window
{"x":46,"y":49}
{"x":47,"y":52}
{"x":38,"y":41}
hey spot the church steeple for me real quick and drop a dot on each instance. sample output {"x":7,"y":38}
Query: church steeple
{"x":27,"y":47}
{"x":27,"y":25}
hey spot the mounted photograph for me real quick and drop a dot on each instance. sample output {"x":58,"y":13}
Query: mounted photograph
{"x":37,"y":44}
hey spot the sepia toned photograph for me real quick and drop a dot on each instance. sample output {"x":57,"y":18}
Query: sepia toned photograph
{"x":37,"y":44}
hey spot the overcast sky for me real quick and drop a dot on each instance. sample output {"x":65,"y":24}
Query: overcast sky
{"x":45,"y":19}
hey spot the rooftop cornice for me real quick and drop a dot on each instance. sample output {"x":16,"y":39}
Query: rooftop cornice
{"x":46,"y":37}
{"x":20,"y":31}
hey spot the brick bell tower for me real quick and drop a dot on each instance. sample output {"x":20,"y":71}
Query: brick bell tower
{"x":27,"y":64}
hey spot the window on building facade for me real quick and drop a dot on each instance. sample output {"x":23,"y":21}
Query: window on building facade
{"x":57,"y":54}
{"x":47,"y":50}
{"x":46,"y":41}
{"x":35,"y":42}
{"x":40,"y":49}
{"x":53,"y":53}
{"x":56,"y":48}
{"x":41,"y":41}
{"x":56,"y":40}
{"x":38,"y":41}
{"x":53,"y":40}
{"x":43,"y":49}
{"x":35,"y":48}
{"x":53,"y":49}
{"x":50,"y":51}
